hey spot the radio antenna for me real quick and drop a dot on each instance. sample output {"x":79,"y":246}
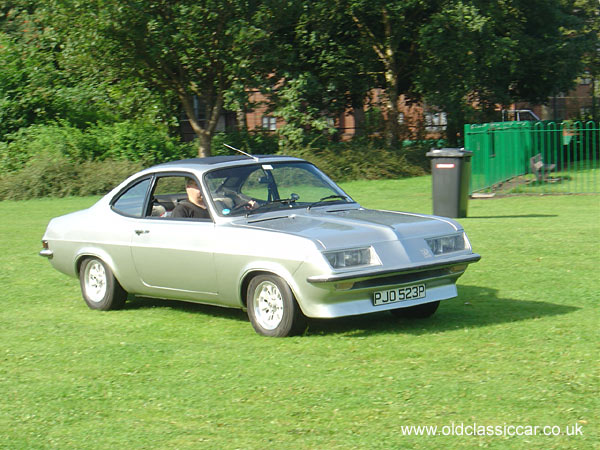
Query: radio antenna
{"x":242,"y":152}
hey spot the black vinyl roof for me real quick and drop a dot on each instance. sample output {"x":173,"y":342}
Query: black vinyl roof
{"x":212,"y":160}
{"x":209,"y":160}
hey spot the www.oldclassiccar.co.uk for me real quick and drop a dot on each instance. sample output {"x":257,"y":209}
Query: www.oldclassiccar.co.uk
{"x":474,"y":429}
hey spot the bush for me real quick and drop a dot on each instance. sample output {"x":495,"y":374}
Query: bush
{"x":415,"y":152}
{"x":365,"y":160}
{"x":139,"y":141}
{"x":60,"y":160}
{"x":57,"y":176}
{"x":99,"y":177}
{"x":43,"y":140}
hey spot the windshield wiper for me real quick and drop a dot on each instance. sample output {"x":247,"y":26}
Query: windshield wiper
{"x":282,"y":201}
{"x":325,"y":199}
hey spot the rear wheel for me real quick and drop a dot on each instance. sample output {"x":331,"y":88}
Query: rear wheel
{"x":272,"y":308}
{"x":417,"y":312}
{"x":99,"y":287}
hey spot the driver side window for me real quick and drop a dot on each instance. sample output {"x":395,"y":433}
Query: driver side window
{"x":168,"y":192}
{"x":171,"y":198}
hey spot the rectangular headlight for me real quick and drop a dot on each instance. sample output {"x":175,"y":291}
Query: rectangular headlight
{"x":446,"y":244}
{"x":350,"y":258}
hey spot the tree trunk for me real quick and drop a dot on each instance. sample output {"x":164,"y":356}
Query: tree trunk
{"x":240,"y":118}
{"x":391,"y":80}
{"x":203,"y":134}
{"x":204,"y":145}
{"x":454,"y":125}
{"x":391,"y":123}
{"x":358,"y":112}
{"x":386,"y":54}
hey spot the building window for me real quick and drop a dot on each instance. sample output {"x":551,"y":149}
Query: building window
{"x":435,"y":121}
{"x":400,"y":118}
{"x":586,"y":78}
{"x":269,"y":123}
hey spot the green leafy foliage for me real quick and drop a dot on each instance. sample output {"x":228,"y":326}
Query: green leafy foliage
{"x":258,"y":143}
{"x":360,"y":160}
{"x":61,"y":160}
{"x":499,"y":55}
{"x":317,"y":65}
{"x":57,"y":176}
{"x":196,"y":53}
{"x":91,"y":66}
{"x":138,"y":141}
{"x":40,"y":83}
{"x":135,"y":141}
{"x":28,"y":86}
{"x":303,"y":120}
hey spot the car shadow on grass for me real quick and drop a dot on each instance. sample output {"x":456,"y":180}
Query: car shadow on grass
{"x":518,"y":216}
{"x":514,"y":216}
{"x":473,"y":308}
{"x":135,"y":302}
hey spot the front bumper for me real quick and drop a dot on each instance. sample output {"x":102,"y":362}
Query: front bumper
{"x":46,"y":253}
{"x":347,"y":294}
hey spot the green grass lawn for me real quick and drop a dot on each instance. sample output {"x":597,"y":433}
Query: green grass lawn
{"x":518,"y":347}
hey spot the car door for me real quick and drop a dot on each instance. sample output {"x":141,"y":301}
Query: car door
{"x":174,"y":257}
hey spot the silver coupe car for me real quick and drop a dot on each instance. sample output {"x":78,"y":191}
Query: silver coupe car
{"x":269,"y":234}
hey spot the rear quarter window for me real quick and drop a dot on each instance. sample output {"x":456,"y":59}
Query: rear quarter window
{"x":132,"y":201}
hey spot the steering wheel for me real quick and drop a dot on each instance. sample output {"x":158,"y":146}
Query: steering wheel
{"x":244,"y":205}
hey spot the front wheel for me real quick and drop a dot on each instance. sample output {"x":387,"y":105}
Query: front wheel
{"x":99,"y":287}
{"x":417,"y":312}
{"x":272,"y":308}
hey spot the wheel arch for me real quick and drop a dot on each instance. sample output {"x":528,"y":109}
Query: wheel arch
{"x":252,"y":273}
{"x":95,"y":253}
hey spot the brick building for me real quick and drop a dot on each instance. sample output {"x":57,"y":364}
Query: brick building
{"x":416,"y":119}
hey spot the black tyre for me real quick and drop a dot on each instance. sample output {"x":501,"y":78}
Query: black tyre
{"x":272,"y":308}
{"x":99,"y":287}
{"x":417,"y":312}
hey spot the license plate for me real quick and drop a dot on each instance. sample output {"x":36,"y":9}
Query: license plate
{"x":399,"y":294}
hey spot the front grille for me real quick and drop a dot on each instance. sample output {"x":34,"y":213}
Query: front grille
{"x":401,"y":279}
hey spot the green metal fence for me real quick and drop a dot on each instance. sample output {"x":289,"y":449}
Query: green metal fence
{"x":534,"y":157}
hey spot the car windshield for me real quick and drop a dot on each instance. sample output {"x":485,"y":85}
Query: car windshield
{"x":256,"y":188}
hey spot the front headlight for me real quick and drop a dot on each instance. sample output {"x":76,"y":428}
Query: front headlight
{"x":447,"y":244}
{"x":351,"y":258}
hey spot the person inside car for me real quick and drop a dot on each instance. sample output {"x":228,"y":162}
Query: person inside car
{"x":194,"y":207}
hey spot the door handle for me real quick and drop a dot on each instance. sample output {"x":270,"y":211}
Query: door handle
{"x":138,"y":232}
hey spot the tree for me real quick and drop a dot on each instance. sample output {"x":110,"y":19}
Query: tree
{"x":329,"y":47}
{"x":32,"y":90}
{"x":483,"y":53}
{"x":456,"y":63}
{"x":41,"y":84}
{"x":588,"y":11}
{"x":316,"y":66}
{"x":197,"y":52}
{"x":388,"y":31}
